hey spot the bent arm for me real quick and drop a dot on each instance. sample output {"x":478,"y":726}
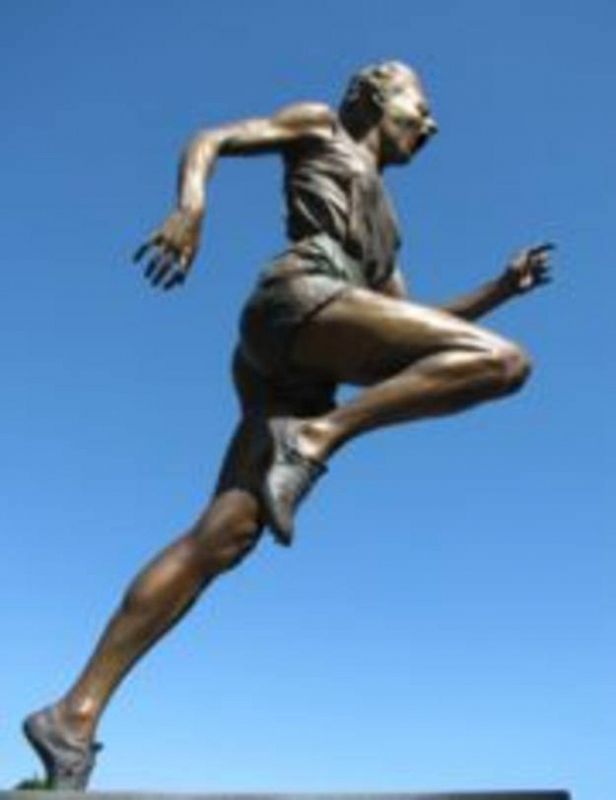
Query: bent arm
{"x":528,"y":270}
{"x":525,"y":272}
{"x":469,"y":306}
{"x":479,"y":302}
{"x":173,"y":246}
{"x":248,"y":137}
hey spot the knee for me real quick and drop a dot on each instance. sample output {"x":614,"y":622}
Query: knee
{"x":517,"y":366}
{"x":225,"y":539}
{"x":239,"y":543}
{"x":512,"y":366}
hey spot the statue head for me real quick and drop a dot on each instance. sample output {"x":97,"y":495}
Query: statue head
{"x":389,"y":96}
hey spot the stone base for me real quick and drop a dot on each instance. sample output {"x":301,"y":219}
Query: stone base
{"x":501,"y":795}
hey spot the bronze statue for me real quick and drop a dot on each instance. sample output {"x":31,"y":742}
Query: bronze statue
{"x":331,"y":310}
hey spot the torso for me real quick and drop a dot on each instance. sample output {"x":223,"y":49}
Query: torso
{"x":343,"y":233}
{"x":332,"y":188}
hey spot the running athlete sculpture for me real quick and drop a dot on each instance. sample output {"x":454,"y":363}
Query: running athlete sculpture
{"x":331,"y":310}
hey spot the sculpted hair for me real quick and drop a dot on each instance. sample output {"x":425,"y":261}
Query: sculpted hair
{"x":368,"y":91}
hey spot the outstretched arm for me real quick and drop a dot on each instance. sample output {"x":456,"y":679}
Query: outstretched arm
{"x":175,"y":243}
{"x":529,"y":269}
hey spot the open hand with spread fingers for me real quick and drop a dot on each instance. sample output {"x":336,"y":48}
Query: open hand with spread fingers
{"x":172,"y":249}
{"x":529,"y":269}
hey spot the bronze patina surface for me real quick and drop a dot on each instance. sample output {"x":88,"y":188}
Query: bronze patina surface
{"x":332,"y":309}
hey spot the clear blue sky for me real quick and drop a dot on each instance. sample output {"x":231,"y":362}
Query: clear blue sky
{"x":445,"y":620}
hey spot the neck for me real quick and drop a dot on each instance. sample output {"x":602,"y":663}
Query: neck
{"x":365,"y":132}
{"x":369,"y":141}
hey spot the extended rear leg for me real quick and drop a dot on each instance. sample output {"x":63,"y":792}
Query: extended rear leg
{"x":63,"y":734}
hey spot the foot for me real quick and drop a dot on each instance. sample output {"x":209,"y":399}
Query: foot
{"x":288,"y":480}
{"x":68,"y":760}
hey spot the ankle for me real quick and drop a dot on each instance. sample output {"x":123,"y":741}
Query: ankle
{"x":79,"y":718}
{"x":316,"y":439}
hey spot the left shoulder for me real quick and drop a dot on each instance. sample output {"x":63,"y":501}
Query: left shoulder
{"x":311,"y":118}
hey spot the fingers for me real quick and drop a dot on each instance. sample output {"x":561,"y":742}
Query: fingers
{"x":539,"y":267}
{"x":155,"y":240}
{"x":176,"y":275}
{"x":179,"y":271}
{"x":159,"y":267}
{"x":141,"y":251}
{"x":539,"y":261}
{"x":177,"y":278}
{"x":531,"y":267}
{"x":536,"y":256}
{"x":539,"y":249}
{"x":169,"y":252}
{"x":166,"y":268}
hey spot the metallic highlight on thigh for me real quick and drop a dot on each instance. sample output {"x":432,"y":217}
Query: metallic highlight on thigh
{"x":363,"y":337}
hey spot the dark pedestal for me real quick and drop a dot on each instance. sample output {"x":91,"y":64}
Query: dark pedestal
{"x":501,"y":795}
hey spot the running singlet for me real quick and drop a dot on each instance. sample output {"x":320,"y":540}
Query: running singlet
{"x":333,"y":189}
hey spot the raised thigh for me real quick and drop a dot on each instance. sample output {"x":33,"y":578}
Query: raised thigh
{"x":362,"y":337}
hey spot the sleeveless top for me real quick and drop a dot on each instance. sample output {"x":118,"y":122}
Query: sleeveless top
{"x":335,"y":193}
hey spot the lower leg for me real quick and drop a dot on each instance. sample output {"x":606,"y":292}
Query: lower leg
{"x":157,"y":599}
{"x":439,"y":384}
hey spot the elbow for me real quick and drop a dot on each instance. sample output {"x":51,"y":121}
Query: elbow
{"x":195,"y":148}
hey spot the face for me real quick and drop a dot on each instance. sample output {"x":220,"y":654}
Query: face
{"x":406,"y":123}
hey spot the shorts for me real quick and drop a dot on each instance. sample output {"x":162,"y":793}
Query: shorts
{"x":290,"y":291}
